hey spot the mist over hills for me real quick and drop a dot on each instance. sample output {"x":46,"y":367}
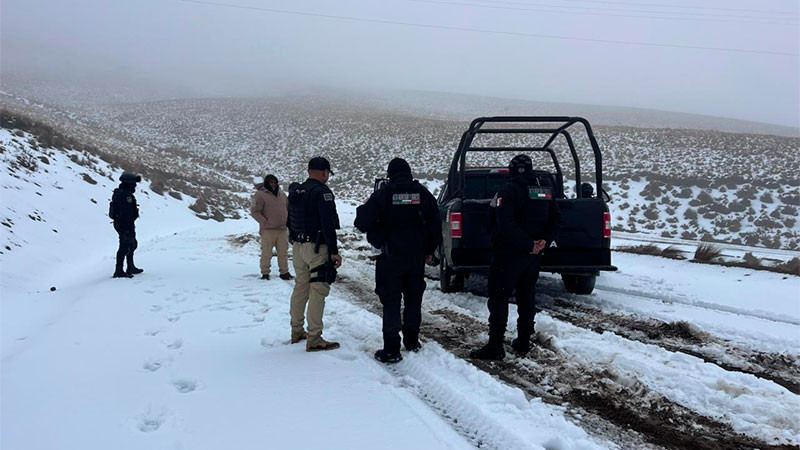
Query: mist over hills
{"x":682,"y":183}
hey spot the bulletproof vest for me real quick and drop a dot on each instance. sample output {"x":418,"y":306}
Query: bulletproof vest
{"x":404,"y":218}
{"x":537,"y":198}
{"x":298,"y":207}
{"x":123,"y":206}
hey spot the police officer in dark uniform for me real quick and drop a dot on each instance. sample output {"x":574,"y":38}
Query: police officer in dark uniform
{"x":313,"y":222}
{"x":526,"y":219}
{"x":124,"y":211}
{"x":402,"y":219}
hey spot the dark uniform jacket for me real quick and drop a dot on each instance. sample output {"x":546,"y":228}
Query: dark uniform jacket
{"x":401,"y":218}
{"x":124,"y":207}
{"x":524,"y":211}
{"x":312,"y":213}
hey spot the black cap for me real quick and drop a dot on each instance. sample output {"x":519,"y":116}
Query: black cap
{"x":398,"y":166}
{"x":520,"y":164}
{"x":130,"y":177}
{"x":319,"y":163}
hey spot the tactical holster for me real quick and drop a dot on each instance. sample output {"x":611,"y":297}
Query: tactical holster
{"x":325,"y":273}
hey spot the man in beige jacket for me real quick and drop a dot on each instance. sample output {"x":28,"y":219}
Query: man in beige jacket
{"x":270,"y":209}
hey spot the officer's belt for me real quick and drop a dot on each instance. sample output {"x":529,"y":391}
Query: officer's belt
{"x":303,"y":238}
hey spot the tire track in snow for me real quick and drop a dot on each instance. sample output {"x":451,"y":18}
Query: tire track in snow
{"x":480,"y":429}
{"x":700,"y":304}
{"x":601,"y":401}
{"x":681,"y":337}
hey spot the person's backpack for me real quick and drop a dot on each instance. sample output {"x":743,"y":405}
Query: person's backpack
{"x":113,"y":210}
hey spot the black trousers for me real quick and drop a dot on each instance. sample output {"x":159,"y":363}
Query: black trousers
{"x":127,"y":244}
{"x":512,"y":274}
{"x":397,"y":277}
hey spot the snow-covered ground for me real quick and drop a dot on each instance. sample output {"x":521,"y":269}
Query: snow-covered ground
{"x":195,"y":352}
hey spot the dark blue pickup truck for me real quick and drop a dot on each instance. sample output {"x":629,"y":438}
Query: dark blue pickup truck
{"x":583,"y":246}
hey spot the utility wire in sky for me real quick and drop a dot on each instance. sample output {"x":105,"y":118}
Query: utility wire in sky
{"x":486,"y":31}
{"x":682,"y":14}
{"x":663,"y":5}
{"x":571,"y":10}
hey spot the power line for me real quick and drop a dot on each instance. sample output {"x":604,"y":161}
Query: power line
{"x":760,"y":20}
{"x":662,"y":5}
{"x":546,"y":5}
{"x":485,"y":31}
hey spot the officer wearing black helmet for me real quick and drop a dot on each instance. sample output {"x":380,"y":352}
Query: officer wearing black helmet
{"x":313,"y":222}
{"x":124,"y":211}
{"x":402,"y":219}
{"x":526,"y":219}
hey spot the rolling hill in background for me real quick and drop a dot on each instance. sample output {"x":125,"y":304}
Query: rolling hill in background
{"x":669,"y":175}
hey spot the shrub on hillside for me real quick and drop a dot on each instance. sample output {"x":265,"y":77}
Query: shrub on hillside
{"x":792,"y":266}
{"x":751,"y":260}
{"x":703,"y":198}
{"x":651,"y":214}
{"x":707,"y":252}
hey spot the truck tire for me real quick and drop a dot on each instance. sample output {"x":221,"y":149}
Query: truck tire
{"x":578,"y":284}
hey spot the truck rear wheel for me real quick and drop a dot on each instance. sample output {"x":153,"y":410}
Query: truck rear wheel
{"x":578,"y":284}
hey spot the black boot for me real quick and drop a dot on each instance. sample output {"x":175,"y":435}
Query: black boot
{"x":132,"y":269}
{"x":493,"y":350}
{"x":119,"y":273}
{"x":521,"y":345}
{"x":411,"y":341}
{"x":388,"y":357}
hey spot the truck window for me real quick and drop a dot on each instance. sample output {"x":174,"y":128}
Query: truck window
{"x":483,"y":186}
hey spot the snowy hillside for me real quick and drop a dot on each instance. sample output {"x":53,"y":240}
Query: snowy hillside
{"x":658,"y":178}
{"x":194,"y":353}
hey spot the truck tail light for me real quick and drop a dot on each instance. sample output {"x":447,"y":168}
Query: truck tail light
{"x":455,"y":225}
{"x":606,"y":225}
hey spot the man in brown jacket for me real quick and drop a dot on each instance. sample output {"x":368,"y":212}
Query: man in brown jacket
{"x":270,"y":209}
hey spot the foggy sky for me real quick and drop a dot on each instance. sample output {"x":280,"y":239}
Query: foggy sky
{"x":206,"y":50}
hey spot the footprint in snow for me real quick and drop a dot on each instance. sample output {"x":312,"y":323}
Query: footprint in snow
{"x":173,"y":318}
{"x":156,"y":308}
{"x":152,"y":332}
{"x":151,"y":420}
{"x":344,"y":356}
{"x":152,"y":365}
{"x":149,"y":291}
{"x":184,"y":385}
{"x":176,"y":344}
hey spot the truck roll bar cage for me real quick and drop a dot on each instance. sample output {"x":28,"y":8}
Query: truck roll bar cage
{"x":455,"y":177}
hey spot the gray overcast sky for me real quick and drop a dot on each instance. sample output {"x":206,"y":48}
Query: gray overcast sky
{"x":216,"y":50}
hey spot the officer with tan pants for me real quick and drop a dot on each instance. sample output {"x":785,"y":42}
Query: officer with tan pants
{"x":270,"y":209}
{"x":312,"y":224}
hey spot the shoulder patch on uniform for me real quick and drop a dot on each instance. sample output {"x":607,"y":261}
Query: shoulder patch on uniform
{"x":328,"y":197}
{"x":406,"y":198}
{"x":540,"y":192}
{"x":496,"y":201}
{"x":130,"y":199}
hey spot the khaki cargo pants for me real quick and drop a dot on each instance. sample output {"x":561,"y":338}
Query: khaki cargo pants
{"x":304,"y":259}
{"x":279,"y":239}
